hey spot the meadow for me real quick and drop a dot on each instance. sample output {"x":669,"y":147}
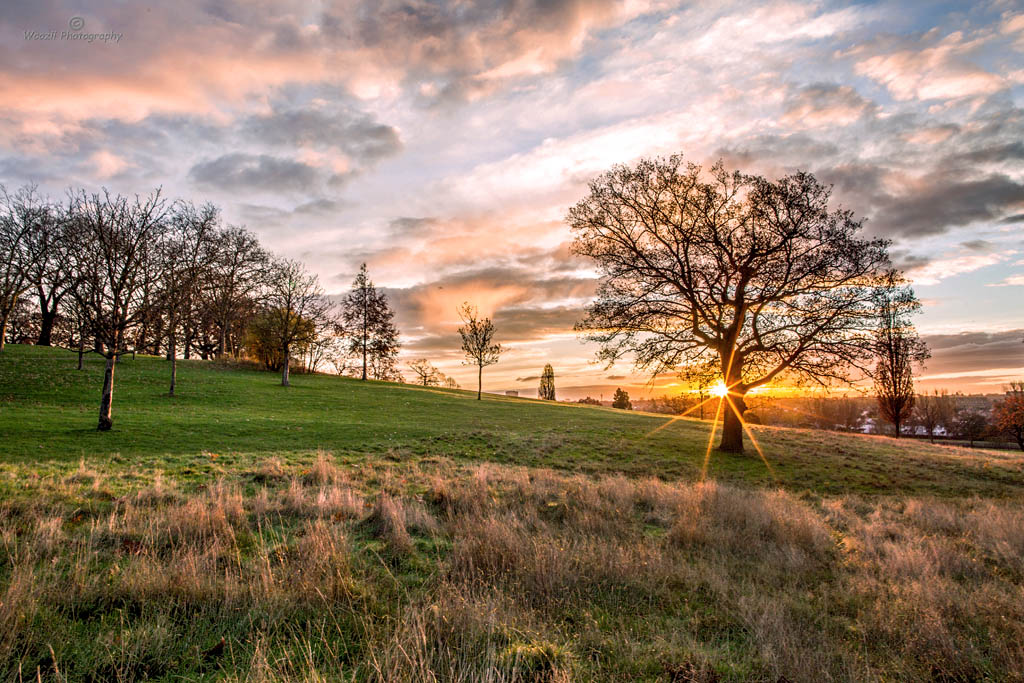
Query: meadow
{"x":339,"y":530}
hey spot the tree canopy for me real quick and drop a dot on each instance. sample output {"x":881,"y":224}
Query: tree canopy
{"x":761,"y":277}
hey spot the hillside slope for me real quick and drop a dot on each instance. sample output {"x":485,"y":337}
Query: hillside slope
{"x":48,"y":413}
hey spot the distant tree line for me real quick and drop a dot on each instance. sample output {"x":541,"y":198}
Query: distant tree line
{"x":111,"y":274}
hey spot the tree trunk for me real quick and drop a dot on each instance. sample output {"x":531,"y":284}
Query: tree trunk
{"x":172,"y":352}
{"x":222,"y":341}
{"x":3,"y":331}
{"x":81,"y":351}
{"x":364,"y":334}
{"x":46,"y":326}
{"x":284,"y":368}
{"x":106,"y":421}
{"x":479,"y":381}
{"x":896,"y":424}
{"x":732,"y":424}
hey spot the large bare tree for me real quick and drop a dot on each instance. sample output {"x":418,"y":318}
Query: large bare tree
{"x":239,"y":270}
{"x":52,"y":274}
{"x":117,"y":241}
{"x":25,"y":218}
{"x":759,"y":275}
{"x":186,"y":258}
{"x":478,"y":342}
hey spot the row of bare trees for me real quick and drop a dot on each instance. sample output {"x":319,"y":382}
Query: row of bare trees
{"x":111,"y":274}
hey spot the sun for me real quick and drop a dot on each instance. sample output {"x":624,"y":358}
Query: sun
{"x":719,"y":389}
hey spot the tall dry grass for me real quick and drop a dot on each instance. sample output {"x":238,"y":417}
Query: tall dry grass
{"x":503,"y":574}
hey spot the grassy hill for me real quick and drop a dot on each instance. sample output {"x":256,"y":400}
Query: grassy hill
{"x":48,"y":414}
{"x":339,"y":530}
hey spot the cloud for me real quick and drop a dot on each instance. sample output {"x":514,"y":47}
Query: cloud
{"x":976,"y":353}
{"x":937,"y":201}
{"x":933,"y":272}
{"x":253,"y":172}
{"x":356,"y":134}
{"x":457,"y":52}
{"x":1011,"y":281}
{"x":825,"y":104}
{"x":942,"y":71}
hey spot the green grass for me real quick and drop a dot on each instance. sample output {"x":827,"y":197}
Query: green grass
{"x":341,"y":530}
{"x":48,"y":414}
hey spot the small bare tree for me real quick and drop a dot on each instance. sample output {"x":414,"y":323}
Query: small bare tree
{"x":971,"y":425}
{"x":426,"y":374}
{"x":478,"y":342}
{"x":934,"y":410}
{"x":898,"y":349}
{"x":293,"y":301}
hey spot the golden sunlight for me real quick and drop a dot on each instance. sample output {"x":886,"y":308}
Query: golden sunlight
{"x":719,"y":389}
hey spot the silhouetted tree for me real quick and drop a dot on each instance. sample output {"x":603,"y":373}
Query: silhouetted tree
{"x":547,"y":384}
{"x":426,"y":374}
{"x":621,"y":400}
{"x":897,"y":348}
{"x":25,"y":220}
{"x":934,"y":410}
{"x":589,"y":401}
{"x":478,"y":342}
{"x":701,"y":376}
{"x":758,"y":275}
{"x":370,"y":324}
{"x":1008,"y":414}
{"x":52,"y":273}
{"x":971,"y":425}
{"x":449,"y":382}
{"x":116,"y":243}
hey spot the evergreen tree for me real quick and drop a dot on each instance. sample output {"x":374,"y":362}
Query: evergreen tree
{"x":373,"y":336}
{"x":547,"y":384}
{"x":621,"y":400}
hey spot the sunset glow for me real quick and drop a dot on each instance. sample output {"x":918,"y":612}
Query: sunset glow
{"x":443,"y":146}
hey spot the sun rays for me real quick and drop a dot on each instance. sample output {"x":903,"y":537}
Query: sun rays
{"x":723,"y":394}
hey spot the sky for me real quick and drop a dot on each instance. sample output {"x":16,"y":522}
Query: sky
{"x":442,"y":143}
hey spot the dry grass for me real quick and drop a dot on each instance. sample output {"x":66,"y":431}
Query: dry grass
{"x":502,"y":574}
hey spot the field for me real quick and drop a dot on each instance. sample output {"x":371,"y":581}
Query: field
{"x":339,"y":530}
